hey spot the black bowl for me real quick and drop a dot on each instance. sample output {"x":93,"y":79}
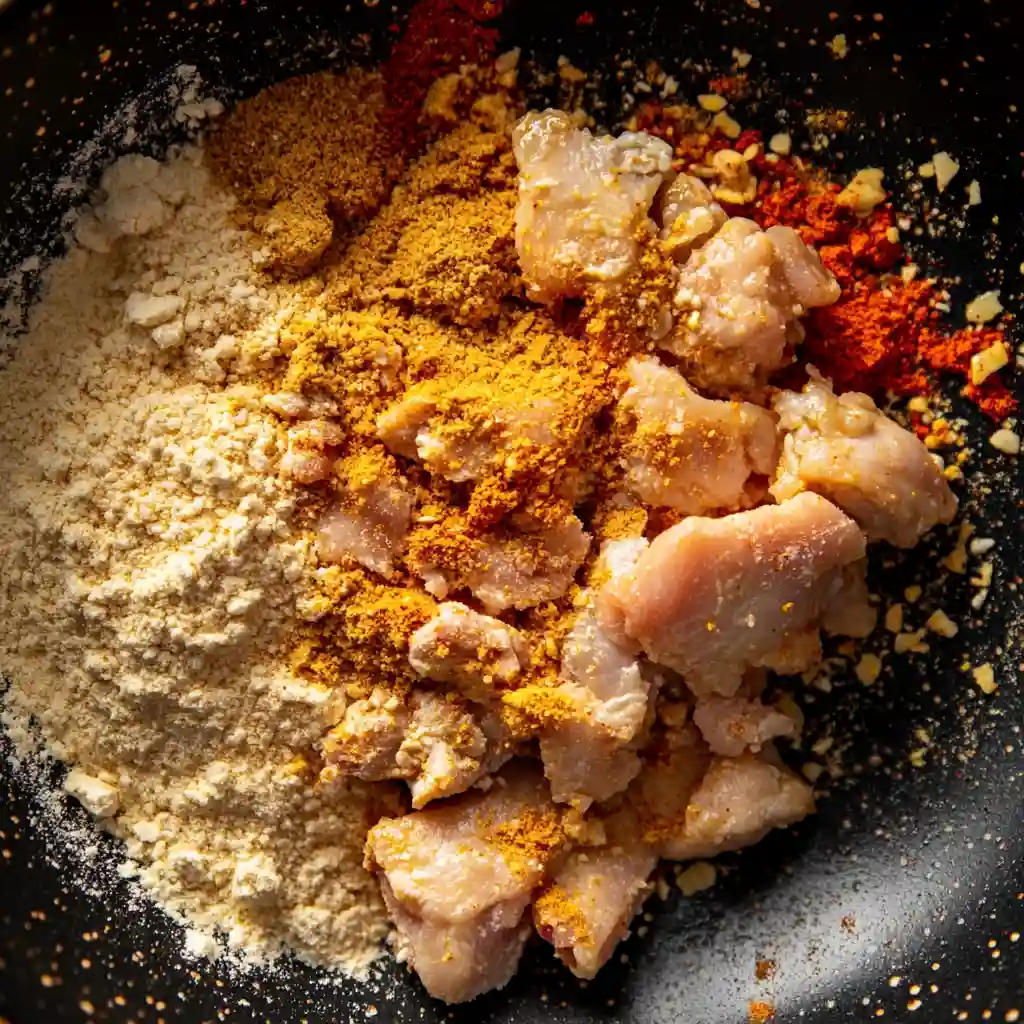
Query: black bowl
{"x":903,"y":898}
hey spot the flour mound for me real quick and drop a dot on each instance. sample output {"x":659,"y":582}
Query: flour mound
{"x":150,"y":564}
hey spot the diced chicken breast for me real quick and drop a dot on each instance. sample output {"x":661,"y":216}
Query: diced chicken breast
{"x":582,"y":202}
{"x":527,"y":569}
{"x":476,"y":653}
{"x":673,"y":768}
{"x":457,"y":962}
{"x":461,"y":875}
{"x":738,"y":802}
{"x":399,"y":425}
{"x":712,"y":597}
{"x":688,"y":215}
{"x":369,"y":522}
{"x":365,"y":742}
{"x":737,"y":306}
{"x":850,"y":612}
{"x":691,"y":453}
{"x":309,"y":458}
{"x":845,"y":449}
{"x":436,"y":744}
{"x":732,"y":725}
{"x":587,"y":909}
{"x":588,"y":752}
{"x":811,"y":284}
{"x":447,"y":749}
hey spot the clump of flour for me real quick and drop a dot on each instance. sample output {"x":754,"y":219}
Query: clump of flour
{"x":150,"y":563}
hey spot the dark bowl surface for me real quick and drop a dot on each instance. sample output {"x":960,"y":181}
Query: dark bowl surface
{"x":903,"y":899}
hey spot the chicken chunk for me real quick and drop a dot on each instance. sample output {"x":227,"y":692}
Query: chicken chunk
{"x":845,"y":449}
{"x":587,"y":748}
{"x":369,"y":522}
{"x":365,"y":742}
{"x":738,"y":802}
{"x":688,"y":215}
{"x":673,"y":768}
{"x":850,"y":612}
{"x":582,"y":202}
{"x":436,"y":744}
{"x":691,"y":453}
{"x":473,"y":652}
{"x":712,"y":597}
{"x":593,"y":897}
{"x":458,"y":961}
{"x":738,"y":306}
{"x":459,"y":878}
{"x":732,"y":725}
{"x":523,"y":570}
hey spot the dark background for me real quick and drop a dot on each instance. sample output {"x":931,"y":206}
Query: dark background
{"x":915,"y":874}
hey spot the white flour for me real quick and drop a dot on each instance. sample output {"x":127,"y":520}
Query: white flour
{"x":149,"y":569}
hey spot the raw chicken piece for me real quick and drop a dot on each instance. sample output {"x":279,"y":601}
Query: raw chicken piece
{"x":674,"y":766}
{"x":691,"y":453}
{"x":688,"y":214}
{"x":371,"y":519}
{"x":467,"y":439}
{"x":847,"y":450}
{"x":474,"y":652}
{"x":399,"y":425}
{"x":733,"y":725}
{"x":582,"y":202}
{"x":594,"y":896}
{"x":712,"y":597}
{"x":851,"y":612}
{"x":309,"y":458}
{"x":587,"y":753}
{"x":457,"y":962}
{"x":738,"y":802}
{"x":437,"y":745}
{"x":738,"y":306}
{"x":811,"y":284}
{"x":527,"y":569}
{"x":366,"y":740}
{"x":447,"y":748}
{"x":458,"y":879}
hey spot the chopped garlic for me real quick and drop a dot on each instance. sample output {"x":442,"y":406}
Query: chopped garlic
{"x":1005,"y":441}
{"x":939,"y":622}
{"x":868,"y":669}
{"x":697,"y":877}
{"x":913,"y":642}
{"x":927,"y":170}
{"x":864,"y":192}
{"x":989,"y":361}
{"x":984,"y":577}
{"x":985,"y":677}
{"x":729,"y":127}
{"x":741,"y":57}
{"x":912,"y":593}
{"x":838,"y":46}
{"x":974,"y":194}
{"x":812,"y":771}
{"x":984,"y":307}
{"x":946,"y":169}
{"x":712,"y":102}
{"x":894,"y":618}
{"x":781,"y":143}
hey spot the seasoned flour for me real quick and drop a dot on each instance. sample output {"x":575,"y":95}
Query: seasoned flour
{"x":149,"y":570}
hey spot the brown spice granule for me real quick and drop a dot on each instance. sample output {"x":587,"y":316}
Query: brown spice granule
{"x":306,"y":156}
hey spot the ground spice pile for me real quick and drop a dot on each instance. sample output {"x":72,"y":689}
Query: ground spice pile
{"x":305,"y":157}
